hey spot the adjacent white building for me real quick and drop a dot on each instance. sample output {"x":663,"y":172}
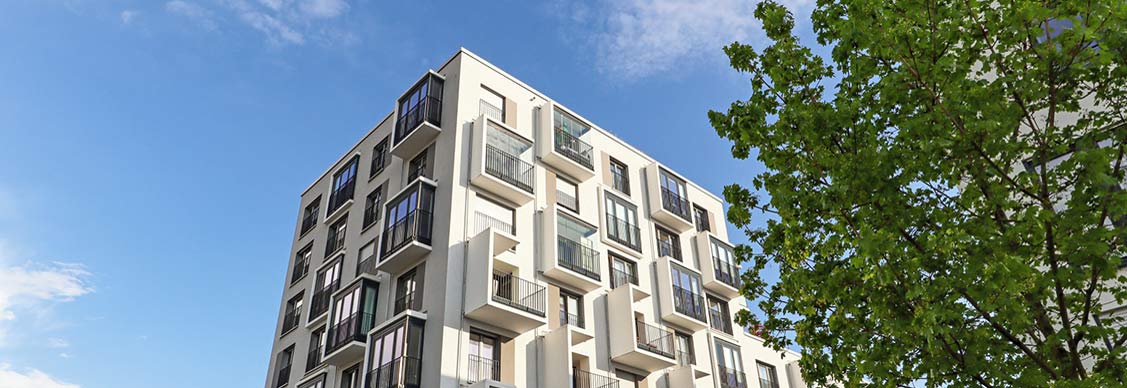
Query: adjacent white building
{"x":483,"y":235}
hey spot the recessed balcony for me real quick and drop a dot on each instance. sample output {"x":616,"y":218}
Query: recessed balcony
{"x":409,"y":224}
{"x":680,"y":304}
{"x":633,"y":341}
{"x":670,"y":208}
{"x":564,"y":147}
{"x":568,"y":254}
{"x":718,"y":266}
{"x":501,"y":161}
{"x":495,"y":294}
{"x":418,"y":117}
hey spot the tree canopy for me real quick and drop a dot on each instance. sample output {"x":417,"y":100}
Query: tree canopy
{"x":944,"y":191}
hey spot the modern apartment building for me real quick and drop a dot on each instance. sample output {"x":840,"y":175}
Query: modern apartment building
{"x":483,"y":235}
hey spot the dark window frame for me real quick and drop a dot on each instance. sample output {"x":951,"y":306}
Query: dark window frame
{"x":373,"y":207}
{"x":343,"y":191}
{"x":301,"y":260}
{"x":677,"y":252}
{"x":565,"y":314}
{"x":311,"y":216}
{"x":380,"y":154}
{"x":700,"y":219}
{"x":622,"y":178}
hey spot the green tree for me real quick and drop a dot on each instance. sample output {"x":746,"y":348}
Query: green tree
{"x":943,"y":191}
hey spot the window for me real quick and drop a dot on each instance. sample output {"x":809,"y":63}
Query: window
{"x":724,"y":264}
{"x":353,"y":315}
{"x":686,"y":293}
{"x":372,"y":206}
{"x":492,"y":105}
{"x":423,"y":103}
{"x":718,"y":315}
{"x":571,"y":309}
{"x":622,"y":271}
{"x":485,"y":357}
{"x":620,"y":176}
{"x":336,"y":236}
{"x":684,"y":344}
{"x":668,"y":244}
{"x":729,"y":366}
{"x":316,"y":343}
{"x":379,"y":158}
{"x":567,"y":194}
{"x":285,"y":360}
{"x":327,"y":282}
{"x":309,"y":219}
{"x":767,"y":376}
{"x":567,"y":133}
{"x":350,"y":378}
{"x":418,"y":166}
{"x":700,"y":217}
{"x":408,"y":219}
{"x":367,"y":262}
{"x":622,"y":222}
{"x":293,"y":312}
{"x":301,"y":263}
{"x":489,"y":214}
{"x":344,"y":185}
{"x":405,"y":287}
{"x":673,"y":195}
{"x":394,"y":355}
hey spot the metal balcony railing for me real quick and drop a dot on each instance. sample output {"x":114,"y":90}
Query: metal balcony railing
{"x":668,"y":248}
{"x":519,"y":293}
{"x":342,"y":195}
{"x":428,"y":110}
{"x":491,"y":111}
{"x":620,"y":278}
{"x":586,"y":379}
{"x":484,"y":221}
{"x":688,"y":303}
{"x":731,"y":378}
{"x":352,"y":328}
{"x":283,"y":377}
{"x":290,"y":320}
{"x":578,"y":258}
{"x":321,"y":299}
{"x":577,"y":150}
{"x":481,"y":368}
{"x":313,"y":358}
{"x":509,"y":168}
{"x":416,"y":226}
{"x":402,"y":372}
{"x":371,"y":214}
{"x":624,"y":232}
{"x":654,"y":339}
{"x":568,"y":318}
{"x":300,"y":268}
{"x":408,"y":301}
{"x":726,"y":273}
{"x":334,"y":243}
{"x":368,"y":265}
{"x":567,"y":200}
{"x":308,"y":223}
{"x":720,"y":321}
{"x":676,"y":204}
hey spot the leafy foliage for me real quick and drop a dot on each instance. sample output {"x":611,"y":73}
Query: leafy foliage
{"x":944,"y":191}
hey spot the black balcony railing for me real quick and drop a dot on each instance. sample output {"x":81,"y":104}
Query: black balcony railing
{"x":313,"y":359}
{"x":342,"y":195}
{"x":619,"y":277}
{"x":482,"y":368}
{"x":567,"y":200}
{"x":300,"y":268}
{"x":491,"y":111}
{"x":309,"y":222}
{"x":322,"y":298}
{"x":685,"y":358}
{"x":519,"y":293}
{"x":586,"y":379}
{"x":654,"y":339}
{"x":484,"y":221}
{"x":428,"y":110}
{"x":416,"y":226}
{"x":570,"y":318}
{"x":624,"y":232}
{"x":353,"y":328}
{"x":290,"y":320}
{"x":577,"y":150}
{"x":731,"y":378}
{"x":406,"y":301}
{"x":283,"y":375}
{"x":688,"y":303}
{"x":402,"y":372}
{"x":720,"y":321}
{"x":335,"y":243}
{"x":727,"y":273}
{"x":578,"y":258}
{"x":368,"y":265}
{"x":371,"y":213}
{"x":676,"y":204}
{"x":668,"y":248}
{"x":509,"y":168}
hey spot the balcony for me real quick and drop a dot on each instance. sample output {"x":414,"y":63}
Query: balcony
{"x":667,"y":207}
{"x":502,"y":161}
{"x":402,"y":372}
{"x":720,"y":277}
{"x":586,"y":379}
{"x":570,"y":262}
{"x":623,"y":232}
{"x":495,"y":294}
{"x":409,"y":301}
{"x":481,"y":369}
{"x":407,"y":233}
{"x":321,"y":300}
{"x":684,"y":308}
{"x":418,"y":117}
{"x":730,"y":378}
{"x":634,"y":342}
{"x":313,"y":359}
{"x":290,"y":320}
{"x":565,"y":151}
{"x":345,"y":341}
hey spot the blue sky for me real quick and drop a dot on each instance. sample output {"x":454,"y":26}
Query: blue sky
{"x":153,"y":152}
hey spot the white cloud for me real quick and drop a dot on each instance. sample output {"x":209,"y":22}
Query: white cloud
{"x":324,"y":8}
{"x":31,"y":288}
{"x":57,"y":343}
{"x":277,"y":32}
{"x":31,"y":378}
{"x":199,"y":15}
{"x":294,"y":22}
{"x":128,"y":15}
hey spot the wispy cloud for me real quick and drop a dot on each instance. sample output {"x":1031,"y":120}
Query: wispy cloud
{"x":202,"y":17}
{"x":35,"y":287}
{"x":277,"y":32}
{"x":127,"y":16}
{"x":57,"y":343}
{"x":29,"y":378}
{"x":281,"y":22}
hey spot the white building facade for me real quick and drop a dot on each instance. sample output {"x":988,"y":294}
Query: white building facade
{"x":482,"y":235}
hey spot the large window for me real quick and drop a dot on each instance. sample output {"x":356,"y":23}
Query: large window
{"x":729,"y":366}
{"x":309,"y":219}
{"x":408,"y":218}
{"x":767,"y":376}
{"x":327,"y":282}
{"x":394,"y":355}
{"x":485,"y":357}
{"x":622,"y":271}
{"x":353,"y":314}
{"x":379,"y":158}
{"x":620,"y":176}
{"x":622,"y":222}
{"x":316,"y":345}
{"x":408,"y":294}
{"x":718,"y":314}
{"x":344,"y":184}
{"x":668,"y":244}
{"x":337,"y":233}
{"x":571,"y":309}
{"x":687,"y":297}
{"x":724,"y":264}
{"x":301,"y":263}
{"x":423,"y":103}
{"x":673,"y":195}
{"x":351,"y":377}
{"x":372,"y":205}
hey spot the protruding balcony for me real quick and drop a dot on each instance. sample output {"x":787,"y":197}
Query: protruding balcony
{"x":670,"y":208}
{"x":418,"y":117}
{"x":563,"y":258}
{"x":587,"y":379}
{"x":502,"y":167}
{"x":634,"y":342}
{"x":680,"y":305}
{"x":409,"y":226}
{"x":495,"y":294}
{"x":563,"y":146}
{"x":718,"y":266}
{"x":345,"y":342}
